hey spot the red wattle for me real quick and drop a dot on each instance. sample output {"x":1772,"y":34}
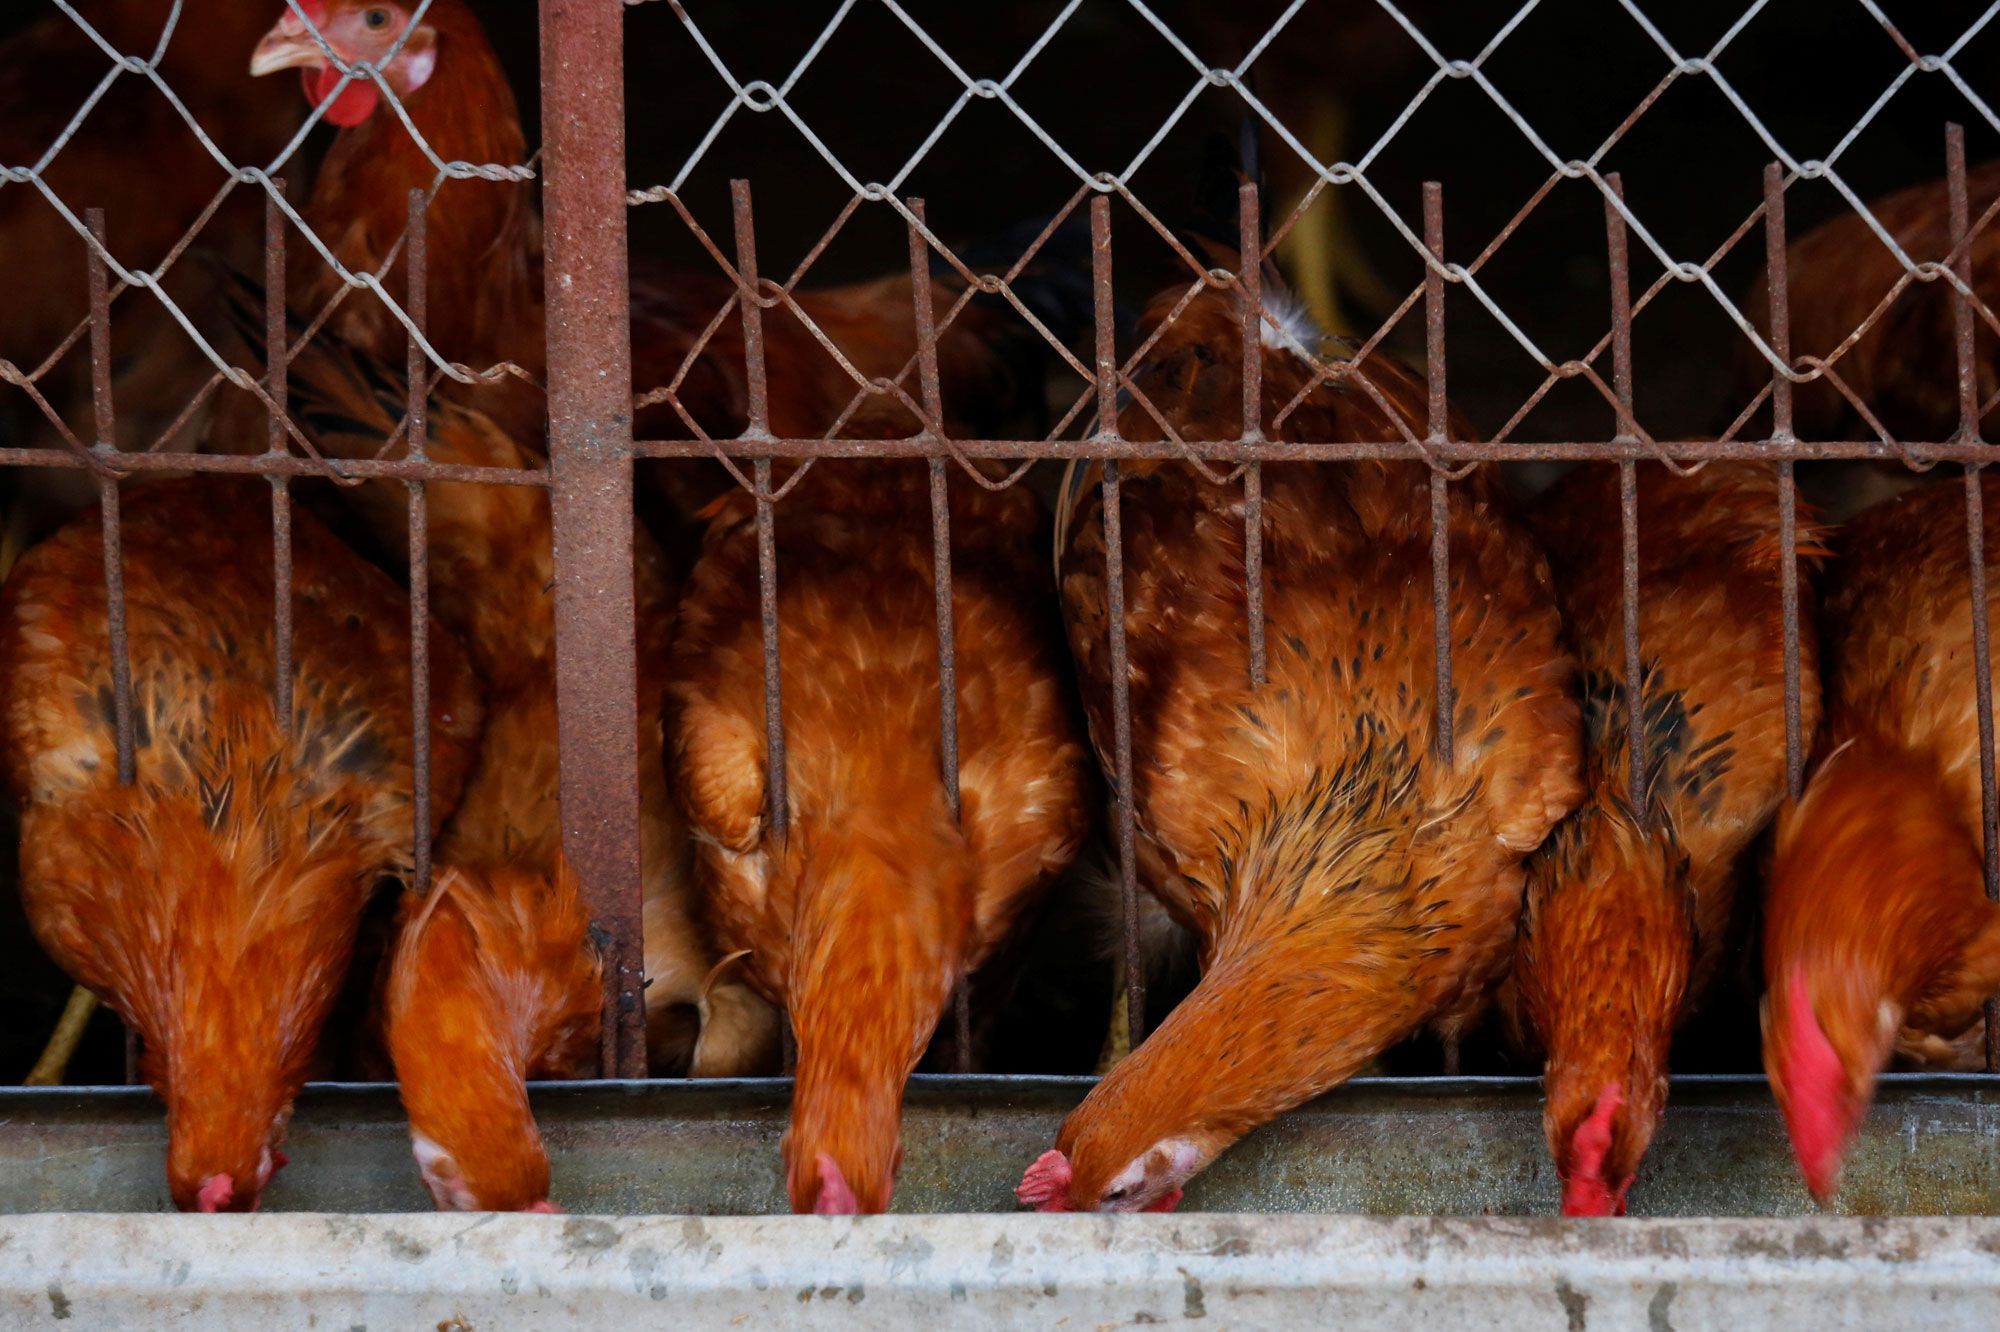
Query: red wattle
{"x":356,"y":101}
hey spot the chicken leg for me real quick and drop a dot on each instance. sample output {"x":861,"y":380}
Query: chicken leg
{"x":1118,"y":1036}
{"x":1324,"y":261}
{"x":53,"y":1067}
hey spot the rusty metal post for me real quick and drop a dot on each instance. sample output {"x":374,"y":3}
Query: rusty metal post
{"x":777,"y":815}
{"x":1779,"y":284}
{"x":1127,"y":829}
{"x":1439,"y":416}
{"x":277,"y":361}
{"x":1250,"y":273}
{"x":925,"y":315}
{"x":107,"y":497}
{"x":416,"y":302}
{"x":103,"y":409}
{"x":1628,"y":496}
{"x":1975,"y":543}
{"x":588,"y":298}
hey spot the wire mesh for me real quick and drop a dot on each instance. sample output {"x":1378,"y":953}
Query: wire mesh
{"x":595,"y":392}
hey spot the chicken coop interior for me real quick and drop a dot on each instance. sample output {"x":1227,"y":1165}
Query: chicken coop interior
{"x":1577,"y":585}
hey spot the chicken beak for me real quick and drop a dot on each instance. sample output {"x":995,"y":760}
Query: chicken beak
{"x":288,"y":45}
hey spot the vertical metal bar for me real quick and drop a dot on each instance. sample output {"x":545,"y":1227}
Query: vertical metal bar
{"x":1628,"y":497}
{"x":1778,"y":280}
{"x":776,"y":789}
{"x":277,"y":362}
{"x":1250,"y":273}
{"x":921,"y":296}
{"x":107,"y":495}
{"x":1114,"y":572}
{"x":104,"y":409}
{"x":1439,"y":414}
{"x":1961,"y":267}
{"x":1975,"y":544}
{"x":927,"y":369}
{"x":416,"y":303}
{"x":588,"y":299}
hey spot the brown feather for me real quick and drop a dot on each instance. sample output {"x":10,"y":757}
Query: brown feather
{"x":1877,"y":907}
{"x":213,"y":903}
{"x":1346,"y":887}
{"x":1627,"y":919}
{"x":877,"y":901}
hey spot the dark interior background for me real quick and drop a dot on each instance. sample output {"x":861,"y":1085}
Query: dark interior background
{"x":1691,"y":166}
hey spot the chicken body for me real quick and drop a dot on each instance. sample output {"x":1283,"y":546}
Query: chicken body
{"x":134,"y":156}
{"x":1346,"y":887}
{"x":1904,"y":367}
{"x":1628,"y":914}
{"x":484,"y":239}
{"x":492,"y":581}
{"x":486,"y":264}
{"x":1878,"y":937}
{"x":493,"y":981}
{"x":213,"y":903}
{"x":862,"y":917}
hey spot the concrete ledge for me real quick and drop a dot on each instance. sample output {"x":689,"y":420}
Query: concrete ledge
{"x":488,"y":1273}
{"x":1416,"y":1147}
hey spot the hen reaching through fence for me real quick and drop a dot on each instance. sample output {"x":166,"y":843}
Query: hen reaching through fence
{"x":1630,"y":909}
{"x":1879,"y":942}
{"x":213,"y":901}
{"x":875,"y":901}
{"x":1347,"y":886}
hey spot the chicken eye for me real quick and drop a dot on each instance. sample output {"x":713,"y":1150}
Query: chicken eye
{"x":376,"y":18}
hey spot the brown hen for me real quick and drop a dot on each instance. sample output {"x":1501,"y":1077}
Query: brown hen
{"x":875,"y":902}
{"x":1904,"y":368}
{"x":1878,"y":938}
{"x":1629,"y":911}
{"x":213,"y":901}
{"x":134,"y":156}
{"x":485,"y":262}
{"x":1347,"y":888}
{"x":492,"y":581}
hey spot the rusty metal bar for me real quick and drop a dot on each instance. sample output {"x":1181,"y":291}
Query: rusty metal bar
{"x":1114,"y":572}
{"x":1628,"y":498}
{"x":103,"y":408}
{"x":776,"y":790}
{"x":416,"y":301}
{"x":927,"y":366}
{"x":277,"y":364}
{"x":1250,"y":273}
{"x":291,"y":465}
{"x":587,"y":293}
{"x":1439,"y":416}
{"x":1975,"y":544}
{"x":1778,"y":281}
{"x":1092,"y":447}
{"x":107,"y":495}
{"x":927,"y":375}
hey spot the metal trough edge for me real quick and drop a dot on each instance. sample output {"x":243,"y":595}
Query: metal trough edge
{"x":485,"y":1273}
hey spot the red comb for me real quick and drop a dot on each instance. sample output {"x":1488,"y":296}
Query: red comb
{"x":215,"y":1193}
{"x":1585,"y":1190}
{"x":835,"y":1198}
{"x":315,"y":11}
{"x":1815,"y":1085}
{"x":1045,"y":1185}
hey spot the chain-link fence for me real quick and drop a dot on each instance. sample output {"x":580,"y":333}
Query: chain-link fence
{"x":627,"y":384}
